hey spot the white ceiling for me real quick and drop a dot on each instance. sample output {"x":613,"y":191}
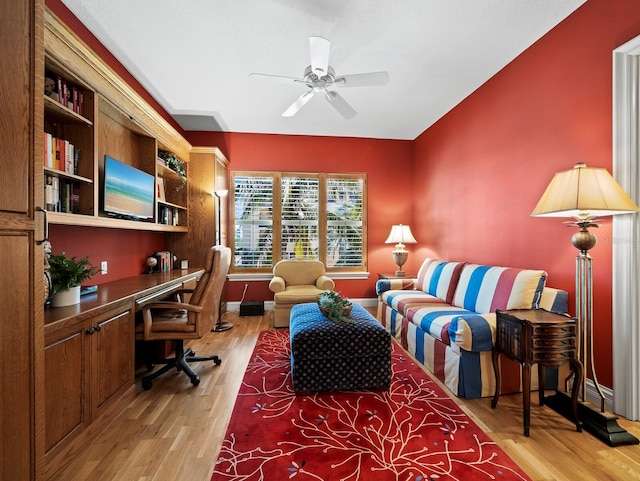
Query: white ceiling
{"x":195,"y":56}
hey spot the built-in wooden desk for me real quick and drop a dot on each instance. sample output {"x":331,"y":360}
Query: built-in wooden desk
{"x":90,"y":355}
{"x":140,"y":289}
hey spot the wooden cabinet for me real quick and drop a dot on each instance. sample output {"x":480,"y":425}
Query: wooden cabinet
{"x":207,"y":174}
{"x":112,"y":357}
{"x":102,"y":117}
{"x":88,"y":365}
{"x":21,"y":225}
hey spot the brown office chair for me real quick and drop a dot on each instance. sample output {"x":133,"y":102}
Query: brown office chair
{"x":176,"y":321}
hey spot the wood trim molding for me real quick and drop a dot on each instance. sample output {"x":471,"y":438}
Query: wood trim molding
{"x":71,"y":52}
{"x":626,"y":231}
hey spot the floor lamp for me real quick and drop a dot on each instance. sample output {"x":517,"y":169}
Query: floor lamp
{"x":220,"y":326}
{"x":585,"y":194}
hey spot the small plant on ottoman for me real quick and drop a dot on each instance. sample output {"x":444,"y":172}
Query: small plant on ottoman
{"x":335,"y":307}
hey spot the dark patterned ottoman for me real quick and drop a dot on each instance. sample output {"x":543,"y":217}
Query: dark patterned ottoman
{"x":338,"y":356}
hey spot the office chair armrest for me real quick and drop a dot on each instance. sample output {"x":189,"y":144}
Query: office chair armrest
{"x":179,"y":293}
{"x":172,"y":305}
{"x":147,"y":316}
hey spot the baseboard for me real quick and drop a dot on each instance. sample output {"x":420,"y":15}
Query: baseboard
{"x":268,"y":305}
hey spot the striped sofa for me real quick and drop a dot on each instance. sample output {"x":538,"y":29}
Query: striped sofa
{"x":446,"y":317}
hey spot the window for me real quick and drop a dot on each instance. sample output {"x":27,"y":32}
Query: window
{"x":291,"y":215}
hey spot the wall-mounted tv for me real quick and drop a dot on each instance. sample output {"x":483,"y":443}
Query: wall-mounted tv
{"x":128,"y":192}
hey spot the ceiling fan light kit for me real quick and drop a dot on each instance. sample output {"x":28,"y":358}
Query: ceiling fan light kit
{"x":321,"y":77}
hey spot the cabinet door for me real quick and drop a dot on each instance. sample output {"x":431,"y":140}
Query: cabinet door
{"x":65,"y":410}
{"x":112,"y":344}
{"x":21,"y":260}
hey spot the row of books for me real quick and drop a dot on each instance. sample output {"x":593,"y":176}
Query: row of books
{"x":61,"y":195}
{"x":60,"y":154}
{"x":165,"y":261}
{"x":66,"y":94}
{"x":168,"y":215}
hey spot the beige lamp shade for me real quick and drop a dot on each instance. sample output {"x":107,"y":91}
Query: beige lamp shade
{"x":400,"y":235}
{"x":584,"y":191}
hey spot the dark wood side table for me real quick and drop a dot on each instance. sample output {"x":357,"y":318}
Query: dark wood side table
{"x":537,"y":336}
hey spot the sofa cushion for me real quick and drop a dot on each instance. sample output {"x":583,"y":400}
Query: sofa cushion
{"x":439,"y":278}
{"x":484,"y":289}
{"x":297,"y":295}
{"x":401,"y":300}
{"x":435,"y":318}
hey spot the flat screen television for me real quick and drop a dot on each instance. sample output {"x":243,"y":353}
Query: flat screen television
{"x":128,"y":192}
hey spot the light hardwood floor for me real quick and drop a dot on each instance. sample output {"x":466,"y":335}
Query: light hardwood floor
{"x":173,"y":432}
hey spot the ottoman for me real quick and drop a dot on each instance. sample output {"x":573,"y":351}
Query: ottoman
{"x":338,"y":356}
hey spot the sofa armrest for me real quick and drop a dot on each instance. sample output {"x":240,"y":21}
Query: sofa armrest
{"x":554,"y":300}
{"x":325,"y":283}
{"x":277,"y":284}
{"x":384,"y":285}
{"x":473,"y":332}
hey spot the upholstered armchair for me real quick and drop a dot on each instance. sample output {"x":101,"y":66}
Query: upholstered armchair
{"x":180,"y":321}
{"x":296,"y":281}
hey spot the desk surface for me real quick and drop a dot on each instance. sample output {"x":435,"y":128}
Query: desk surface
{"x":119,"y":292}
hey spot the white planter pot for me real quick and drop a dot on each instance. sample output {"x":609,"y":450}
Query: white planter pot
{"x":66,"y":298}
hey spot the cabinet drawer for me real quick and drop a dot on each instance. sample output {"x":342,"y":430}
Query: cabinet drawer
{"x":558,"y":330}
{"x":554,"y":344}
{"x":552,"y":356}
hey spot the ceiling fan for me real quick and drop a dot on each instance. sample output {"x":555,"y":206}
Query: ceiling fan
{"x":319,"y":77}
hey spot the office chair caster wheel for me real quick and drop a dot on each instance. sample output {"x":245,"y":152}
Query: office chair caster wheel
{"x":195,"y":380}
{"x":217,"y":361}
{"x":150,"y":366}
{"x":146,"y":384}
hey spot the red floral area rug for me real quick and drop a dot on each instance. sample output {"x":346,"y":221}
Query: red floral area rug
{"x":413,"y":432}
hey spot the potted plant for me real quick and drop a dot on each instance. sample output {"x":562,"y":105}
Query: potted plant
{"x":67,"y":273}
{"x":335,"y":307}
{"x":175,"y":164}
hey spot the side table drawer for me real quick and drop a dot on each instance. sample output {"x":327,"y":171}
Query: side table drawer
{"x":551,"y":356}
{"x":568,"y":343}
{"x":561,"y":330}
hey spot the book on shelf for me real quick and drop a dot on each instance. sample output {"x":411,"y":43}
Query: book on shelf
{"x":65,"y":93}
{"x":61,"y":195}
{"x":60,"y":154}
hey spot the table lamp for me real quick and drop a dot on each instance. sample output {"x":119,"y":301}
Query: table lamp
{"x":583,"y":194}
{"x":400,"y":235}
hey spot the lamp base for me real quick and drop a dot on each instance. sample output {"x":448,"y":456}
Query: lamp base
{"x":603,"y":426}
{"x":401,"y":273}
{"x":222,"y":326}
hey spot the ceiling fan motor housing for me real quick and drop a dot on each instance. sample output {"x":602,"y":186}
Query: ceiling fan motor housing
{"x":319,"y":84}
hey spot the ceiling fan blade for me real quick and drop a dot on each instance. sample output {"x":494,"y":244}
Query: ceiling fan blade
{"x":320,"y":48}
{"x":370,"y":79}
{"x":298,"y":104}
{"x":278,"y":78}
{"x":340,"y":104}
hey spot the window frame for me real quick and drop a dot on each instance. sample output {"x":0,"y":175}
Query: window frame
{"x":277,"y":217}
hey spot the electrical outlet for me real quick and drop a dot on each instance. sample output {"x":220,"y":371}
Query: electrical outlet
{"x":103,"y":267}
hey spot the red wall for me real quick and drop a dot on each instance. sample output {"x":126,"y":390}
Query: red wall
{"x":468,"y":184}
{"x":125,"y":251}
{"x":386,"y":162}
{"x":479,"y":171}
